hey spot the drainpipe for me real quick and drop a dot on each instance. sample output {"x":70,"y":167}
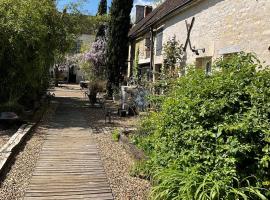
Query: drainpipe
{"x":131,"y":58}
{"x":152,"y":53}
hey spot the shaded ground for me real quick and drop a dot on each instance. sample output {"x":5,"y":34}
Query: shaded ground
{"x":69,"y":166}
{"x":116,"y":160}
{"x":117,"y":163}
{"x":17,"y":179}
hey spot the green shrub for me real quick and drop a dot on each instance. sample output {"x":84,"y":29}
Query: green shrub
{"x":211,"y":138}
{"x":116,"y":135}
{"x":31,"y":33}
{"x":11,"y":107}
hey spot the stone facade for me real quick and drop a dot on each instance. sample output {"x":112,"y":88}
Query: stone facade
{"x":221,"y":27}
{"x":73,"y":73}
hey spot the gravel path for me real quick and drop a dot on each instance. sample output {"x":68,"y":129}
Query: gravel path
{"x":17,"y":179}
{"x":117,"y":162}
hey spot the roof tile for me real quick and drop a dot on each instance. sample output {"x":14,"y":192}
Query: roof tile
{"x":157,"y":14}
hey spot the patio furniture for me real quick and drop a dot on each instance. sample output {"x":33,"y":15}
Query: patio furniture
{"x":84,"y":84}
{"x":8,"y":118}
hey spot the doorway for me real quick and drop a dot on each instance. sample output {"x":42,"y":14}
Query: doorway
{"x":72,"y":75}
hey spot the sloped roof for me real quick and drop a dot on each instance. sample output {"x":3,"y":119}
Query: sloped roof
{"x":157,"y":14}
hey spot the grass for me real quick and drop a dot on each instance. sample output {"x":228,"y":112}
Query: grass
{"x":116,"y":135}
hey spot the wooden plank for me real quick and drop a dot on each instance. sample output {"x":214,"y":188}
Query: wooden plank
{"x":104,"y":196}
{"x":69,"y":167}
{"x":67,"y":192}
{"x":70,"y":186}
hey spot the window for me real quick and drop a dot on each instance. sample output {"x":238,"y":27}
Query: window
{"x":157,"y":71}
{"x":229,"y":55}
{"x":148,"y":42}
{"x":208,"y":68}
{"x":159,"y":41}
{"x":144,"y":72}
{"x":204,"y":63}
{"x":79,"y":46}
{"x":147,"y":46}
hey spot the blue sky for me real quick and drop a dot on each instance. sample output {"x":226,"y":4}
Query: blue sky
{"x":90,"y":6}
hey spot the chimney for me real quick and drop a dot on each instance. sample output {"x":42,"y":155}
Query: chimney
{"x":147,"y":10}
{"x":142,"y":12}
{"x":139,"y":13}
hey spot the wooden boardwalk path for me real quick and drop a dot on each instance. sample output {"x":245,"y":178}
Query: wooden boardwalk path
{"x":69,"y":166}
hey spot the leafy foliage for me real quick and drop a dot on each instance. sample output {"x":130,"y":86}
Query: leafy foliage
{"x":102,"y":10}
{"x":135,"y":76}
{"x":35,"y":35}
{"x":211,"y":138}
{"x":83,"y":24}
{"x":116,"y":135}
{"x":88,"y":24}
{"x":31,"y":32}
{"x":173,"y":56}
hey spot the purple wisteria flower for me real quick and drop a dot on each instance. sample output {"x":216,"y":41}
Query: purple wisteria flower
{"x":97,"y":53}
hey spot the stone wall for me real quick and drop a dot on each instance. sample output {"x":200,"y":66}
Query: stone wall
{"x":223,"y":27}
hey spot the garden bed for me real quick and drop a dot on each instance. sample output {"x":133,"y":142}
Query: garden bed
{"x":125,"y":138}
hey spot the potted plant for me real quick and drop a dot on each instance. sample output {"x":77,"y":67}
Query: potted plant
{"x":116,"y":94}
{"x":94,"y":88}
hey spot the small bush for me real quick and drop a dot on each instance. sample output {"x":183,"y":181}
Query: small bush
{"x":116,"y":135}
{"x":211,"y":139}
{"x":11,"y":107}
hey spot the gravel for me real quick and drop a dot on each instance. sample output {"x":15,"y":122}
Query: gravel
{"x":117,"y":161}
{"x":17,"y":179}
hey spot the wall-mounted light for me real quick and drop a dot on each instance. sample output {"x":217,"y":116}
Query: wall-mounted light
{"x":196,"y":51}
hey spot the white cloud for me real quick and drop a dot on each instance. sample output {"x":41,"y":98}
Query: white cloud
{"x":143,"y":2}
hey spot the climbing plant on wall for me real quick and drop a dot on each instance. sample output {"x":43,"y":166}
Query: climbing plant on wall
{"x":136,"y":65}
{"x":173,"y":55}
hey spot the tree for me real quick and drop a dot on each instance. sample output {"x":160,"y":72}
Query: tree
{"x":31,"y":32}
{"x":117,"y":49}
{"x":102,"y":10}
{"x":173,"y":57}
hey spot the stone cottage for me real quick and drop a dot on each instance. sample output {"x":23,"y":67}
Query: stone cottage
{"x":221,"y":28}
{"x":71,"y":73}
